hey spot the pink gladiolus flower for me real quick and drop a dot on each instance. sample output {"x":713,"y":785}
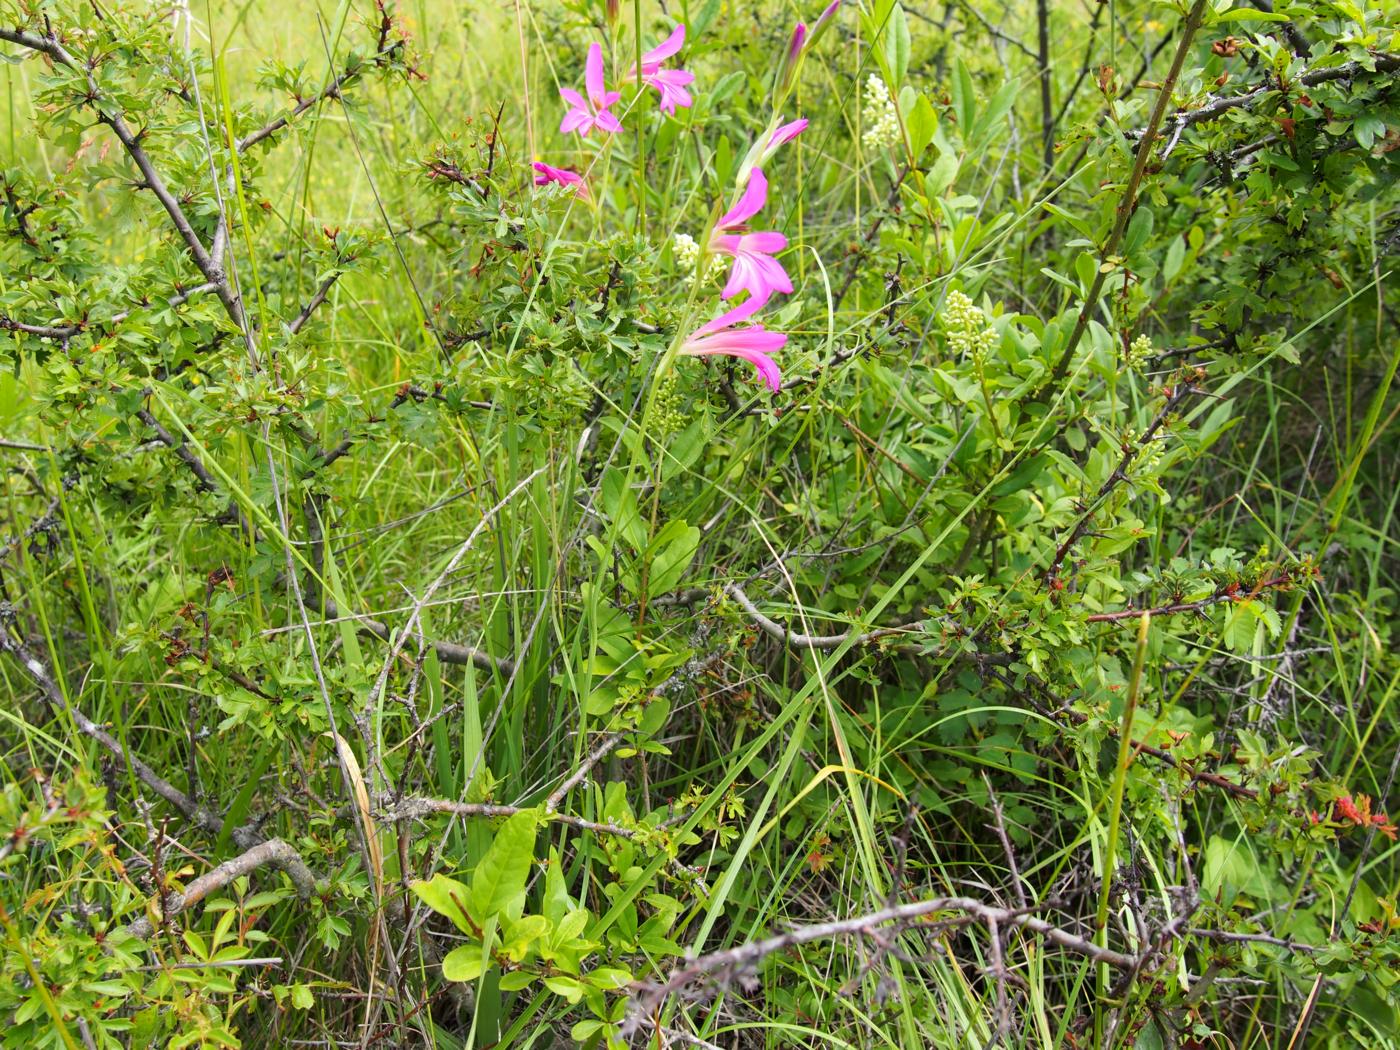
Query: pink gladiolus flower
{"x":751,"y":343}
{"x":544,"y":174}
{"x":755,"y":270}
{"x":786,"y":133}
{"x":754,"y":267}
{"x":583,"y":116}
{"x":754,"y":197}
{"x":670,"y":83}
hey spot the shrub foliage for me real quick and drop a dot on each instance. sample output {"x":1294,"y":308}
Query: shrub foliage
{"x":428,"y":621}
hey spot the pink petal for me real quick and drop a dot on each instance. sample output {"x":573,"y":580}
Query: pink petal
{"x":742,"y":312}
{"x":593,"y":74}
{"x":666,"y":48}
{"x":768,"y":242}
{"x":825,"y":17}
{"x":799,"y":34}
{"x":725,"y":243}
{"x":607,"y":121}
{"x":754,"y":197}
{"x":573,"y":98}
{"x":671,"y":84}
{"x":787,"y":133}
{"x":575,"y":119}
{"x":743,"y":276}
{"x":768,"y":370}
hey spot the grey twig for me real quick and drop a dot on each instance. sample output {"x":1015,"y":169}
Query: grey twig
{"x":730,"y":962}
{"x":274,"y":853}
{"x":806,"y":641}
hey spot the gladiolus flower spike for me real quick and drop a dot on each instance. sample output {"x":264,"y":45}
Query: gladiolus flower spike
{"x":594,"y":112}
{"x":751,"y":343}
{"x":669,"y":83}
{"x":754,"y":270}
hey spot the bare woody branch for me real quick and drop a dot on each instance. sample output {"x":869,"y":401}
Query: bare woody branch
{"x":1226,"y":595}
{"x":330,"y":91}
{"x":1384,"y":65}
{"x":1120,"y":473}
{"x":447,"y":652}
{"x":806,"y":641}
{"x":201,"y":815}
{"x":64,"y":332}
{"x":416,"y":808}
{"x":274,"y":853}
{"x":731,"y":962}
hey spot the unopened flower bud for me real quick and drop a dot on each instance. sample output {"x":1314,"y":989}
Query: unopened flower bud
{"x":787,"y":73}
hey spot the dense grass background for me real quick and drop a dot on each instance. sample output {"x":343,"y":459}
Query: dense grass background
{"x":471,"y":436}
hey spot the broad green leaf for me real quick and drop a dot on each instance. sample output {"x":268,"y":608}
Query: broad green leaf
{"x":922,"y":122}
{"x":569,"y":988}
{"x":518,"y":935}
{"x":447,"y":897}
{"x":463,"y":963}
{"x":897,"y":46}
{"x":675,"y":550}
{"x":498,"y":883}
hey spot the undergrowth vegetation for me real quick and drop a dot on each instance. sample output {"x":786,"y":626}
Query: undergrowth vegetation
{"x":711,"y":523}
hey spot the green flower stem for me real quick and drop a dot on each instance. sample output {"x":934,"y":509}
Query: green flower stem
{"x":1115,"y":815}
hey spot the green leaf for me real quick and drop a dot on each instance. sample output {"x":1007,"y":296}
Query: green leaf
{"x":446,"y":897}
{"x":498,"y":883}
{"x":1249,"y":14}
{"x":464,"y":963}
{"x":302,"y":998}
{"x":897,"y":46}
{"x":521,"y":933}
{"x":675,"y":547}
{"x":922,"y":123}
{"x":964,"y":94}
{"x":997,"y":110}
{"x":569,"y":988}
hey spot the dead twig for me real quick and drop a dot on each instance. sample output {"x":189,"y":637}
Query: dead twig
{"x":274,"y":853}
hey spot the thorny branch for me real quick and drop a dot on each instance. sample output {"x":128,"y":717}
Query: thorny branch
{"x":131,"y":141}
{"x":273,"y":853}
{"x":1131,"y":452}
{"x":730,"y":963}
{"x":1216,"y":107}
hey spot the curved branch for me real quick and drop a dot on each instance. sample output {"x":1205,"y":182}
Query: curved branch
{"x":447,"y":652}
{"x":734,"y":961}
{"x":806,"y":641}
{"x":274,"y":853}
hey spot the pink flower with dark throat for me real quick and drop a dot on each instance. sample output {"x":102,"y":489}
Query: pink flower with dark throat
{"x":669,"y":83}
{"x":751,"y":343}
{"x":544,"y":175}
{"x":594,"y":112}
{"x":754,"y":270}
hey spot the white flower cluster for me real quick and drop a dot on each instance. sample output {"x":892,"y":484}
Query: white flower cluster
{"x":1139,"y":352}
{"x":879,"y":116}
{"x":967,"y":327}
{"x":687,"y":253}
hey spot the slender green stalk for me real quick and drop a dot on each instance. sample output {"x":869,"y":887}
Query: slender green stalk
{"x":1115,"y":812}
